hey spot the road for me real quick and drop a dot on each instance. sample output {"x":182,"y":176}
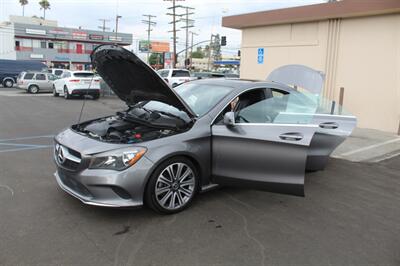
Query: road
{"x":350,"y":215}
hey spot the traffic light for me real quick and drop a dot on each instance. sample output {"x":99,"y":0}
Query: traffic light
{"x":239,"y":53}
{"x":223,"y":41}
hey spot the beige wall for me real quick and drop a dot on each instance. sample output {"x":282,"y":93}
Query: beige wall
{"x":362,"y":55}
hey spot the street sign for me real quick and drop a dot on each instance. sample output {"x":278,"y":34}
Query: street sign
{"x":260,"y":55}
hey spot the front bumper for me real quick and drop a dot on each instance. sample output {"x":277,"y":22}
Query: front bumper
{"x":107,"y":188}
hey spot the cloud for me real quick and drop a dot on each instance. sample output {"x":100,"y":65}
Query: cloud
{"x":208,"y":14}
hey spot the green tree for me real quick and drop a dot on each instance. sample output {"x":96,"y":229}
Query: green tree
{"x":197,"y":54}
{"x":155,"y":58}
{"x":23,"y":3}
{"x":44,"y":4}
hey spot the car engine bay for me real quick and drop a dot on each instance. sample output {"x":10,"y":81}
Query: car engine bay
{"x":117,"y":129}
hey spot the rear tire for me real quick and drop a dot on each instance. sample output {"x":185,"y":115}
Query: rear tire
{"x":66,"y":93}
{"x":55,"y":93}
{"x":172,"y":186}
{"x":8,"y":83}
{"x":33,"y":89}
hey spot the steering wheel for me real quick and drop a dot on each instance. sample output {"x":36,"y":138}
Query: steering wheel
{"x":269,"y":119}
{"x":242,"y":118}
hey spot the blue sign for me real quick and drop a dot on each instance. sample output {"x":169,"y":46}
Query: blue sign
{"x":260,"y":55}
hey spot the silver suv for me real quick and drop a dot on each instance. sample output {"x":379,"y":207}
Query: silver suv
{"x":33,"y":82}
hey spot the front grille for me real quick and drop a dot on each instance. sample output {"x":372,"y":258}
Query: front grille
{"x":71,"y":159}
{"x":74,"y":153}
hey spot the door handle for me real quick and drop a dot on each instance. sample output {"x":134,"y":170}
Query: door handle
{"x":292,"y":136}
{"x":329,"y":125}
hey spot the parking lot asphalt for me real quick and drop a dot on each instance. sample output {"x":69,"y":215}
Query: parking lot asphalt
{"x":350,"y":215}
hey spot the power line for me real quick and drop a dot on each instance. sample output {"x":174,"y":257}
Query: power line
{"x":189,"y":23}
{"x":174,"y":30}
{"x":149,"y":23}
{"x":103,"y":27}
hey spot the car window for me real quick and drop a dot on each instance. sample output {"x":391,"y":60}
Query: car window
{"x":40,"y":77}
{"x":29,"y":76}
{"x":51,"y":77}
{"x":180,"y":73}
{"x":58,"y":72}
{"x":20,"y":75}
{"x":202,"y":97}
{"x":83,"y":75}
{"x":66,"y":75}
{"x":163,"y":73}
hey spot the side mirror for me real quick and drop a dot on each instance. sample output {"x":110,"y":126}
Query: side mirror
{"x":229,"y":119}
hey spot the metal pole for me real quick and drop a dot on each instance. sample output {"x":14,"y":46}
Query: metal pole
{"x":116,"y":27}
{"x":341,"y":99}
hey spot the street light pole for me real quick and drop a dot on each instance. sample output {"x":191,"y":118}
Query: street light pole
{"x":116,"y":27}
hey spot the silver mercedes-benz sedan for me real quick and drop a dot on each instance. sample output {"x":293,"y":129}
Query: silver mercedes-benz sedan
{"x":169,"y":144}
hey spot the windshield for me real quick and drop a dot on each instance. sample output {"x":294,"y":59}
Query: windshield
{"x":201,"y":97}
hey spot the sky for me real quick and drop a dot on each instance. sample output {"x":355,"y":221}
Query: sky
{"x":208,"y":15}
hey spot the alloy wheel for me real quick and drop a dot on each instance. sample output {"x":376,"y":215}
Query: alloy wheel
{"x":175,"y":186}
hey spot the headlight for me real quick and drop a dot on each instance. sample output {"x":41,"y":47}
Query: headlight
{"x":117,"y":160}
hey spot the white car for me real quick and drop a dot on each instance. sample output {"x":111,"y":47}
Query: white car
{"x":57,"y":71}
{"x":77,"y":83}
{"x":175,"y":76}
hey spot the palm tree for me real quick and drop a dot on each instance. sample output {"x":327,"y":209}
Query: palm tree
{"x":23,"y":4}
{"x":44,"y":4}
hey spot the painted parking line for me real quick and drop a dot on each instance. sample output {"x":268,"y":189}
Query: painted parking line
{"x":27,"y":138}
{"x":369,"y":147}
{"x":27,"y":148}
{"x":13,"y":147}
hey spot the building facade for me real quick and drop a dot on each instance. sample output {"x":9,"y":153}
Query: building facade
{"x":25,"y":38}
{"x":355,"y":43}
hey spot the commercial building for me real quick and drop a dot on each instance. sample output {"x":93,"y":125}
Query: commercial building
{"x":27,"y":38}
{"x":356,"y":43}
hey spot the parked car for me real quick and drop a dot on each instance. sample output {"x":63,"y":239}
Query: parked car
{"x":207,"y":75}
{"x":171,"y":143}
{"x":174,"y":76}
{"x":10,"y":69}
{"x":34,"y":82}
{"x":77,"y":83}
{"x":57,"y":71}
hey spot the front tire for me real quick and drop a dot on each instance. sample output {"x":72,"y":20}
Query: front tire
{"x":172,"y":186}
{"x":33,"y":89}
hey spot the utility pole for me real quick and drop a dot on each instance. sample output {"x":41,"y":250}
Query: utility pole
{"x":174,"y":30}
{"x":210,"y":47}
{"x":188,"y":24}
{"x":191,"y":46}
{"x":116,"y":28}
{"x":149,"y":23}
{"x":104,"y":28}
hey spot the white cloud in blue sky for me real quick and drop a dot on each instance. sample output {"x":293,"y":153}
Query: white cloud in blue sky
{"x":208,"y":14}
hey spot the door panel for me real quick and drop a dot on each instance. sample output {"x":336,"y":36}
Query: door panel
{"x":262,"y":156}
{"x":332,"y":131}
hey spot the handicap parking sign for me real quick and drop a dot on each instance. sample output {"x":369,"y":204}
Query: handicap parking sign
{"x":260,"y":56}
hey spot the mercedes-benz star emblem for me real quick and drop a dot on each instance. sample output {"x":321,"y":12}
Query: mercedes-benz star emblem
{"x":60,"y":154}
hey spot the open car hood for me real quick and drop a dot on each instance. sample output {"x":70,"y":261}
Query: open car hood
{"x":131,"y":79}
{"x":299,"y":75}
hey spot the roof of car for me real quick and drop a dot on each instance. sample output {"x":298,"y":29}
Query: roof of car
{"x":242,"y":83}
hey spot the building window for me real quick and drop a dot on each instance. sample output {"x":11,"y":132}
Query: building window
{"x":16,"y":43}
{"x":51,"y":45}
{"x":43,"y":44}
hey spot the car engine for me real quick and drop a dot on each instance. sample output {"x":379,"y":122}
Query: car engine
{"x":115,"y":129}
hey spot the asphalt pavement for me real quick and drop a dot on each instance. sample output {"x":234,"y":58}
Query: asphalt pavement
{"x":350,"y":215}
